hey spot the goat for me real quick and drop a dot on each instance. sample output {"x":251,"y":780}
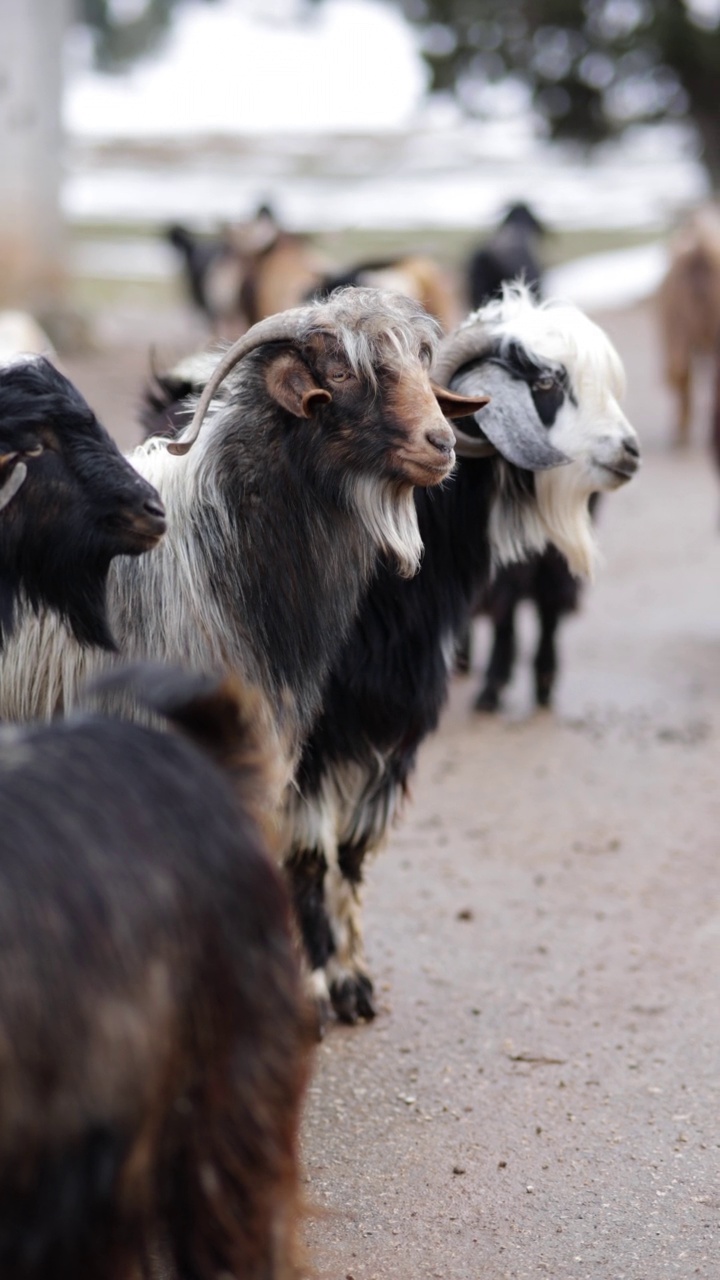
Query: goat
{"x":303,"y":472}
{"x":69,"y":503}
{"x":155,"y":1037}
{"x":689,"y":308}
{"x":414,"y":275}
{"x":510,"y":253}
{"x":554,"y":381}
{"x":249,"y":271}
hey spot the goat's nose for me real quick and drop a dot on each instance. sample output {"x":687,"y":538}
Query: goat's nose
{"x":154,"y":507}
{"x":442,"y":440}
{"x":631,"y":446}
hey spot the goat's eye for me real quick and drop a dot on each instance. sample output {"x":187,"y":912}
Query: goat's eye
{"x":339,"y":374}
{"x":35,"y":452}
{"x":425,"y":353}
{"x":546,"y":383}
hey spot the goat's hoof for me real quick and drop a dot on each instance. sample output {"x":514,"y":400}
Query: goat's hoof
{"x":319,"y":1002}
{"x":352,"y":998}
{"x":488,"y":699}
{"x":543,"y":693}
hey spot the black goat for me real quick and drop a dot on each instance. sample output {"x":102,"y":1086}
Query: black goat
{"x":553,"y":378}
{"x":510,"y":253}
{"x":155,"y":1037}
{"x":69,"y":502}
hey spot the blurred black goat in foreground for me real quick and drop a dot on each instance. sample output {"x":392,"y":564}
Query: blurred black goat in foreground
{"x":154,"y":1038}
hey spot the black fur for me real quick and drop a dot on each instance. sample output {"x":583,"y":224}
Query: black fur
{"x":389,"y":686}
{"x":80,"y":505}
{"x":198,"y":255}
{"x":547,"y":583}
{"x":150,"y":1011}
{"x":510,"y":253}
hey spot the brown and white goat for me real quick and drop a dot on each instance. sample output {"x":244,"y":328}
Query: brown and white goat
{"x":689,"y":308}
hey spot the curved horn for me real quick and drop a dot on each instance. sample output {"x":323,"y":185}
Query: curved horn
{"x":15,"y":479}
{"x":459,"y":348}
{"x":284,"y":326}
{"x":472,"y":446}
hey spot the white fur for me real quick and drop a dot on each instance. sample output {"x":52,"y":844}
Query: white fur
{"x":590,"y":432}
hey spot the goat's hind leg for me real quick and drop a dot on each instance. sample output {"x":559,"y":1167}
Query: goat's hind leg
{"x":351,"y":987}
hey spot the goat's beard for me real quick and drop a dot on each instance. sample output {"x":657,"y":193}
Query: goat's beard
{"x":388,"y":514}
{"x":556,"y":512}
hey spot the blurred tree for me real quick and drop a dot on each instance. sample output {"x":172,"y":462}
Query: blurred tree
{"x":126,"y":29}
{"x":590,"y":67}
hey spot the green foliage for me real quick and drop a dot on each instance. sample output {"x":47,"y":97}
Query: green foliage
{"x":590,"y":67}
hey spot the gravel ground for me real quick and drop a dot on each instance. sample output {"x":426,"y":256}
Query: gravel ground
{"x":539,"y":1095}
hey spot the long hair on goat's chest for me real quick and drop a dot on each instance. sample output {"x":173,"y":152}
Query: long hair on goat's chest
{"x":282,"y":566}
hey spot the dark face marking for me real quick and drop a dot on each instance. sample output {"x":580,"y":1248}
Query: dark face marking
{"x":548,"y":383}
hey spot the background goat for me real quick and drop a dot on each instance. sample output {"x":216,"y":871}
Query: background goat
{"x":414,"y":275}
{"x":510,"y":253}
{"x":276,"y":513}
{"x":555,"y":381}
{"x":155,"y":1041}
{"x":249,"y":271}
{"x":69,"y":503}
{"x":689,"y":308}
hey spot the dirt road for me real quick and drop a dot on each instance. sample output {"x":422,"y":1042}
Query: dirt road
{"x":539,"y":1096}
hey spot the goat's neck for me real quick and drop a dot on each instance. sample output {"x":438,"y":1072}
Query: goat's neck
{"x":284,"y":567}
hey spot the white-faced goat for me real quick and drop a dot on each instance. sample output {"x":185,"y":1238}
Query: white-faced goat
{"x":277,"y":508}
{"x":554,"y":418}
{"x":155,"y":1038}
{"x":69,"y":503}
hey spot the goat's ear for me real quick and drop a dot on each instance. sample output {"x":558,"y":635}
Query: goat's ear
{"x":453,"y":405}
{"x":291,"y":384}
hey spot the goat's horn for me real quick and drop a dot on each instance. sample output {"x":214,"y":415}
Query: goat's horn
{"x":472,"y":446}
{"x":15,"y":479}
{"x":277,"y":328}
{"x":459,"y":348}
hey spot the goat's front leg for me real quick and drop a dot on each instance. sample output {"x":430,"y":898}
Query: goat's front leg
{"x":502,"y":658}
{"x":350,"y":984}
{"x":546,"y":656}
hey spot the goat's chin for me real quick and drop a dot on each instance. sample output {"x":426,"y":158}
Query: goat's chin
{"x":388,"y":515}
{"x":523,"y":522}
{"x":563,"y":494}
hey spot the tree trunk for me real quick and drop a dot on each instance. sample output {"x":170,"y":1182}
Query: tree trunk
{"x":32,"y":243}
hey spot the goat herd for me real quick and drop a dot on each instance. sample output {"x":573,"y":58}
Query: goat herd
{"x":238,"y":639}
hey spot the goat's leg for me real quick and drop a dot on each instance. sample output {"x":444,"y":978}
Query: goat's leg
{"x":546,"y":655}
{"x":463,"y":648}
{"x":306,"y":871}
{"x":350,"y":984}
{"x":502,"y":658}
